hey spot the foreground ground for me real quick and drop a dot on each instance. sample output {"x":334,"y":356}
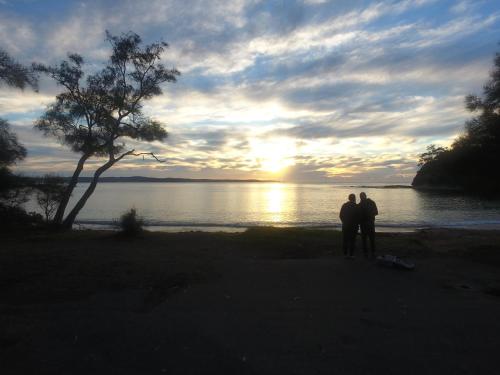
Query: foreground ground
{"x":266,"y":301}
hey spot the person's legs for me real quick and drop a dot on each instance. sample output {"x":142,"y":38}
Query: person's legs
{"x":369,"y":231}
{"x":364,"y":234}
{"x":372,"y":239}
{"x":345,"y":239}
{"x":352,"y":236}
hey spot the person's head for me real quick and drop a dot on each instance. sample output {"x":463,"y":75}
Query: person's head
{"x":362,"y":196}
{"x":352,"y":198}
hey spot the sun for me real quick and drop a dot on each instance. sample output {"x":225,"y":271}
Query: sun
{"x":273,"y":155}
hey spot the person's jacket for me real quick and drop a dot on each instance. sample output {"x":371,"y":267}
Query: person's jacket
{"x":367,"y":210}
{"x":349,"y":214}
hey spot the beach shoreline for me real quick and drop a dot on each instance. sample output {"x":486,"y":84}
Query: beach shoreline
{"x":240,"y":228}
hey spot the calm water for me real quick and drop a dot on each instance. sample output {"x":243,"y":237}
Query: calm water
{"x":180,"y":206}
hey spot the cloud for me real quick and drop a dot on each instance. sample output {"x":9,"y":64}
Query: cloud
{"x":22,"y":102}
{"x":16,"y":35}
{"x":357,"y":88}
{"x":463,"y":6}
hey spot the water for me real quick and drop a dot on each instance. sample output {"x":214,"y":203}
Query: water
{"x":233,"y":206}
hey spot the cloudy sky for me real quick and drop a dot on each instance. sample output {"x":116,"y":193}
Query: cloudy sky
{"x":296,"y":90}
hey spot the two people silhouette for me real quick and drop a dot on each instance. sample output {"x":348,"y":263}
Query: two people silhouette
{"x":353,"y":216}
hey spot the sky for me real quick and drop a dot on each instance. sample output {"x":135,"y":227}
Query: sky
{"x":298,"y":91}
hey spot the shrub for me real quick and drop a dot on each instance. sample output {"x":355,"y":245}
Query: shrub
{"x":130,"y":223}
{"x":16,"y":218}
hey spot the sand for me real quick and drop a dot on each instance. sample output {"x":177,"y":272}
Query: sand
{"x":268,"y":301}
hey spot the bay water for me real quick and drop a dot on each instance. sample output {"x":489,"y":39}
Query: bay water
{"x":236,"y":206}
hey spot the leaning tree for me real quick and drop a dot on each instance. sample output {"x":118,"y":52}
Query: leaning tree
{"x":94,"y":115}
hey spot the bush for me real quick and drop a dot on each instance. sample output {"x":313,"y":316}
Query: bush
{"x":16,"y":218}
{"x":130,"y":223}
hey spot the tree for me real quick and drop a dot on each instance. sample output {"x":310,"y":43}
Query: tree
{"x":12,"y":191}
{"x":14,"y":74}
{"x":95,"y":115}
{"x":49,"y":191}
{"x":11,"y":150}
{"x":470,"y":162}
{"x":433,"y":153}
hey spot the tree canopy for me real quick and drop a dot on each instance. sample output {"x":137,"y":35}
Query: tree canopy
{"x":14,"y":74}
{"x":11,"y":150}
{"x":473,"y":158}
{"x":12,"y":188}
{"x":96,"y":112}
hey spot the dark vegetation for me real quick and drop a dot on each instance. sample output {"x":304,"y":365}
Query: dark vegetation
{"x":471,"y":163}
{"x":11,"y":151}
{"x":14,"y":189}
{"x":96,"y":112}
{"x":130,"y":223}
{"x":15,"y":74}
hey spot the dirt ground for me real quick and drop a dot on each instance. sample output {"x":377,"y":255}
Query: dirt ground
{"x":267,"y":301}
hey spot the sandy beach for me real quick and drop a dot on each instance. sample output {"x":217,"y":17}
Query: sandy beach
{"x":267,"y":301}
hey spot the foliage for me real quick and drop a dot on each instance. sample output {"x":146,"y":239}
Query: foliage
{"x":15,"y":217}
{"x":15,"y":74}
{"x":95,"y":113}
{"x":49,"y":191}
{"x":15,"y":194}
{"x":471,"y":162}
{"x":7,"y":181}
{"x":433,"y":153}
{"x":13,"y":189}
{"x":11,"y":150}
{"x":130,"y":223}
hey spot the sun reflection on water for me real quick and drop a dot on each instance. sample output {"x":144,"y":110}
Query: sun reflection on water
{"x":275,"y":202}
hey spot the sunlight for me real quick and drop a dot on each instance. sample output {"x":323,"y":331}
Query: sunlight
{"x":273,"y":155}
{"x":275,"y":198}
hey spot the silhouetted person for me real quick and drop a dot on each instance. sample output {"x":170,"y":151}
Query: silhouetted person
{"x":367,"y":212}
{"x":349,"y":217}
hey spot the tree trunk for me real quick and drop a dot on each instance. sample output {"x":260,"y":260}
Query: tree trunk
{"x":68,"y":222}
{"x":58,"y":217}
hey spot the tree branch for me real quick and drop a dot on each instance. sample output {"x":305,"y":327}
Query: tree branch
{"x":149,"y":153}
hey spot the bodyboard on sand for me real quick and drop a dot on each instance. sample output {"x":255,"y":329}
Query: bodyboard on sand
{"x":393,"y":261}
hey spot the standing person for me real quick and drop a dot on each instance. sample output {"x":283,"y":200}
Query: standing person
{"x":367,"y":211}
{"x":349,"y":217}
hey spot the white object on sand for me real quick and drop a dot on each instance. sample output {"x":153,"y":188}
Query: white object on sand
{"x":394,"y":261}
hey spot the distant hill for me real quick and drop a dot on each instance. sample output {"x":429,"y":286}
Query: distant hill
{"x":166,"y":179}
